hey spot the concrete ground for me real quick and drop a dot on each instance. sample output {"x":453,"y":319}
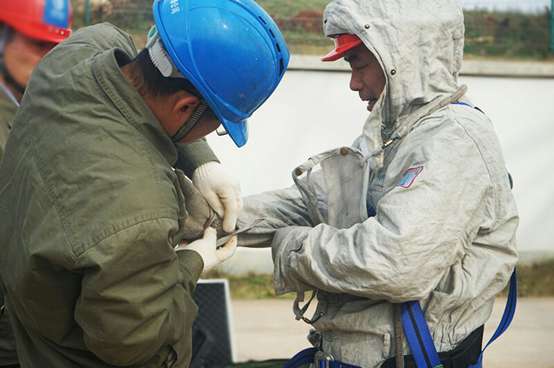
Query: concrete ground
{"x":266,"y":329}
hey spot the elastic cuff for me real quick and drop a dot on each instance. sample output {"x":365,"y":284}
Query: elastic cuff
{"x":193,"y":155}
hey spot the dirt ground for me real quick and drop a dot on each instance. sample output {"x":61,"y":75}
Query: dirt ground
{"x":265,"y":329}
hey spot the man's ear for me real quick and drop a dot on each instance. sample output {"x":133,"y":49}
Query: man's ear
{"x":183,"y":105}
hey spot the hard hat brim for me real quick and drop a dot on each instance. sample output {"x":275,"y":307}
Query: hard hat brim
{"x":237,"y":131}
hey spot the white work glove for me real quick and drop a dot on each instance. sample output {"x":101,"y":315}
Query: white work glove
{"x":221,"y":191}
{"x":206,"y":247}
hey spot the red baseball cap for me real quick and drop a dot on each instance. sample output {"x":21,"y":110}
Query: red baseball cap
{"x":343,"y":43}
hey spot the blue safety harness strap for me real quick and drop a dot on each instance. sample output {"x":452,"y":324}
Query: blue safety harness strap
{"x":336,"y":364}
{"x":462,"y":103}
{"x":420,"y":340}
{"x":468,"y":105}
{"x":418,"y":336}
{"x":307,"y":356}
{"x":304,"y":357}
{"x":507,"y":318}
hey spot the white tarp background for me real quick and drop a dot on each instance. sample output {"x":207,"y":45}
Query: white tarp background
{"x":314,"y":111}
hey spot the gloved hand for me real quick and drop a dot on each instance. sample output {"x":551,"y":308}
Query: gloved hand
{"x":221,"y":191}
{"x":199,"y":212}
{"x":206,"y":247}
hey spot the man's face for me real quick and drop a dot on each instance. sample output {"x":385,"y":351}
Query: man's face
{"x":174,"y":110}
{"x":22,"y":54}
{"x":367,"y":76}
{"x":207,"y":124}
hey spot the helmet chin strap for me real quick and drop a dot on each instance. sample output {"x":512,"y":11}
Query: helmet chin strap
{"x":187,"y":127}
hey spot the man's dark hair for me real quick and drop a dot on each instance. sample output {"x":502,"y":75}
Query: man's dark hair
{"x":155,"y":83}
{"x":6,"y":35}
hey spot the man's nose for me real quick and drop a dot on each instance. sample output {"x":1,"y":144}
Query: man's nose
{"x":355,"y":83}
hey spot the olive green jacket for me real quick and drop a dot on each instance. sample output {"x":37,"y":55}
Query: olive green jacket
{"x":7,"y":112}
{"x":91,"y":210}
{"x":8,"y":353}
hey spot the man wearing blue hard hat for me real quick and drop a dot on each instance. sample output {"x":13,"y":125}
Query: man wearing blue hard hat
{"x":95,"y":196}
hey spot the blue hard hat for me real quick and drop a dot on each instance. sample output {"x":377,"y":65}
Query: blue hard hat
{"x":230,"y":50}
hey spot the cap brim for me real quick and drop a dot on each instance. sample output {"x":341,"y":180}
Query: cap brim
{"x":334,"y":55}
{"x":237,"y":131}
{"x":341,"y":51}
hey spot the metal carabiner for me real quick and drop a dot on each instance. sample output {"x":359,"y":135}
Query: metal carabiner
{"x":300,"y":311}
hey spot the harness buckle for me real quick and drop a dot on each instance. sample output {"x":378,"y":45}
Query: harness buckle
{"x":323,"y":359}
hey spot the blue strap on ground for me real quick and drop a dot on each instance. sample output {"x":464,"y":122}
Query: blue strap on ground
{"x":507,"y":318}
{"x":421,"y":342}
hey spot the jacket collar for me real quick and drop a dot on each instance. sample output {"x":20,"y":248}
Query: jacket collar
{"x":130,"y":104}
{"x":8,"y":107}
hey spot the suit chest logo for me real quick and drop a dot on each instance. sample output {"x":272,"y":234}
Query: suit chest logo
{"x":409,"y":176}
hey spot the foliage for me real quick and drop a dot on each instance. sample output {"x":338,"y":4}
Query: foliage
{"x":488,"y":34}
{"x":507,"y":34}
{"x":249,"y":287}
{"x":534,"y":280}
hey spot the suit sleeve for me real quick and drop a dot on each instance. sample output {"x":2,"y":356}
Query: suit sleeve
{"x":276,"y":210}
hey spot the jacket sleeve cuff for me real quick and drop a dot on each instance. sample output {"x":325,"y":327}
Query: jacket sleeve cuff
{"x":287,"y":243}
{"x":191,"y":265}
{"x":191,"y":156}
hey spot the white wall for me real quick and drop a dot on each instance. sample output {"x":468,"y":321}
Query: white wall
{"x":314,"y":111}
